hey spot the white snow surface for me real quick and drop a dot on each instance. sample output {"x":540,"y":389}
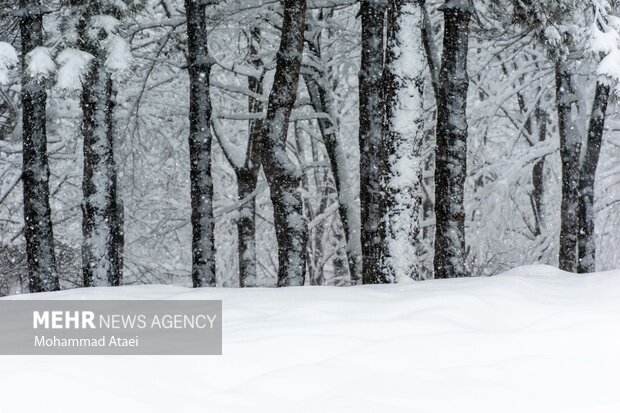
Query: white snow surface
{"x":531,"y":340}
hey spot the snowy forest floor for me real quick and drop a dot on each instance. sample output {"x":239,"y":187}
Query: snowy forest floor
{"x":530,"y":340}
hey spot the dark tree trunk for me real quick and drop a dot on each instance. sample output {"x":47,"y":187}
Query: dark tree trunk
{"x":371,"y":123}
{"x":451,"y":145}
{"x":570,"y":148}
{"x":322,"y":102}
{"x":101,"y":227}
{"x":246,"y":227}
{"x":35,"y":168}
{"x":536,"y":196}
{"x":538,"y":181}
{"x":283,"y":177}
{"x":247,"y":175}
{"x":119,"y":233}
{"x":101,"y":263}
{"x":201,"y":184}
{"x":586,"y":240}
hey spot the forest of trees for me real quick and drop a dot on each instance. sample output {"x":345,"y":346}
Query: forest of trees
{"x":322,"y":142}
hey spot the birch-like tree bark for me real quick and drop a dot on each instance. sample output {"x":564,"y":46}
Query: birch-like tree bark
{"x":586,"y":243}
{"x":451,"y":145}
{"x":201,"y":183}
{"x":371,"y":107}
{"x":404,"y":76}
{"x":35,"y":168}
{"x":283,"y":177}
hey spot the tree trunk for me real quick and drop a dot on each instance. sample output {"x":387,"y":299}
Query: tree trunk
{"x":119,"y":233}
{"x":570,"y":147}
{"x":451,"y":145}
{"x":586,"y":239}
{"x":540,"y":118}
{"x":538,"y":170}
{"x":403,"y":135}
{"x":371,"y":107}
{"x":246,"y":228}
{"x":35,"y":168}
{"x":247,"y":175}
{"x":201,"y":184}
{"x":283,"y":176}
{"x":100,"y":226}
{"x":322,"y":102}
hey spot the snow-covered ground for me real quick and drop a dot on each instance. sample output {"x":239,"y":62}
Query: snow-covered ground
{"x":531,"y":340}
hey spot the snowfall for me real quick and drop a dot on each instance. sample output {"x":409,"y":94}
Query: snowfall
{"x":531,"y":340}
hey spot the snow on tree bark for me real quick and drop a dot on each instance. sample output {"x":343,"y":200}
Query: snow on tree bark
{"x":586,"y":244}
{"x":570,"y":149}
{"x":35,"y":168}
{"x":403,"y":135}
{"x":247,"y":175}
{"x":100,"y":226}
{"x":371,"y":108}
{"x":451,"y":145}
{"x":101,"y":229}
{"x":322,"y":101}
{"x":201,"y":183}
{"x":283,"y":177}
{"x":96,"y":56}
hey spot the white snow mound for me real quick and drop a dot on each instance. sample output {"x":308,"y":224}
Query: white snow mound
{"x":515,"y":343}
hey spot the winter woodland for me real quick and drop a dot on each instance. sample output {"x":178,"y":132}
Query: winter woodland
{"x":305,"y":142}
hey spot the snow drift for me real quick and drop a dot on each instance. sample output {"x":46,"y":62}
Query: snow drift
{"x":531,"y":340}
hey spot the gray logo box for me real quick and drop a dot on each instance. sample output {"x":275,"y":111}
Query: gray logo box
{"x":117,"y":327}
